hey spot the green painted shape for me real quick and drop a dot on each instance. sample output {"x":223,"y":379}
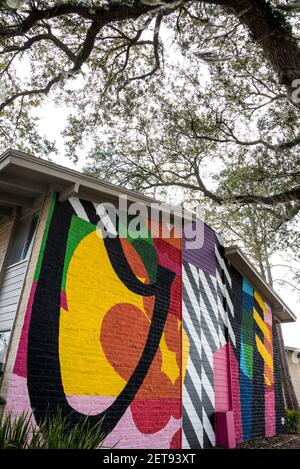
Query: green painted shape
{"x":145,"y":248}
{"x":247,"y":321}
{"x":79,"y":229}
{"x":248,"y":353}
{"x":149,"y":257}
{"x":44,"y":240}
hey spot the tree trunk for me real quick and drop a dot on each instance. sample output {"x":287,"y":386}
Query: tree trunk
{"x":270,"y":30}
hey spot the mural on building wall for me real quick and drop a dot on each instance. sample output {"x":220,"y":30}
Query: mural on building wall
{"x":257,"y":400}
{"x":103,"y":331}
{"x":136,"y":332}
{"x":205,"y":322}
{"x":231,"y":362}
{"x":256,"y":366}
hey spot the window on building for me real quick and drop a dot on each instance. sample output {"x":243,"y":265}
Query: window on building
{"x":22,"y":239}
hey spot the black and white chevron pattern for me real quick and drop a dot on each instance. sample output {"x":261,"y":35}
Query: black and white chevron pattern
{"x":201,"y":323}
{"x":192,"y":435}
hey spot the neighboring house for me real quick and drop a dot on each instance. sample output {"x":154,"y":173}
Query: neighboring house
{"x":293,"y":358}
{"x":156,"y":340}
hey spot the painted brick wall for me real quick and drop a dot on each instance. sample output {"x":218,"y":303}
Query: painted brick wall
{"x":232,"y":359}
{"x":256,"y":386}
{"x":147,"y":337}
{"x":102,"y":331}
{"x":205,"y":388}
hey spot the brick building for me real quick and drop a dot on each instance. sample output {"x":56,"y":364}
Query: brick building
{"x":293,"y":358}
{"x":170,"y":346}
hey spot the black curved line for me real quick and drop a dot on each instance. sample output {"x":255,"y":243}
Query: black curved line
{"x":122,"y":268}
{"x":44,"y":379}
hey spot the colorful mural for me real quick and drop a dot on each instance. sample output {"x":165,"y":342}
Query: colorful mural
{"x":145,"y":335}
{"x":257,"y":403}
{"x":231,"y":345}
{"x":102,"y":333}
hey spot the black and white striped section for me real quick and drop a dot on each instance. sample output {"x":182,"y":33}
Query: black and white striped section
{"x":93,"y":213}
{"x":225,"y":305}
{"x":210,"y":344}
{"x":192,"y":434}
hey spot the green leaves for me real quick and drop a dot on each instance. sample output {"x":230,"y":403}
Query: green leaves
{"x":20,"y":432}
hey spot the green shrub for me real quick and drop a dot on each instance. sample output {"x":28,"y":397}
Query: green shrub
{"x":17,"y":432}
{"x":59,"y":435}
{"x":54,"y":433}
{"x":293,"y":421}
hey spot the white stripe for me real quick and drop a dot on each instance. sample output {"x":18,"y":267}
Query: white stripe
{"x":208,"y":429}
{"x":229,"y":302}
{"x":185,"y":443}
{"x":222,"y":339}
{"x":211,"y":327}
{"x":207,"y":351}
{"x":210,"y":295}
{"x":222,"y":311}
{"x":78,"y":207}
{"x":193,"y":416}
{"x":219,"y":282}
{"x":189,"y":324}
{"x":208,"y":387}
{"x":195,"y":377}
{"x":223,"y":266}
{"x":231,"y":334}
{"x":106,"y":221}
{"x":190,"y":292}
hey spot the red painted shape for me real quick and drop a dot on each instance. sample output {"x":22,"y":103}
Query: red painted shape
{"x":63,"y":301}
{"x":20,"y":367}
{"x":175,"y":442}
{"x":152,"y":415}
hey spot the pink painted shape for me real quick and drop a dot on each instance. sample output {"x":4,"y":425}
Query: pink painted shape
{"x":20,"y":367}
{"x":225,"y":432}
{"x":126,"y":435}
{"x":270,"y":413}
{"x":235,"y":392}
{"x":221,"y":379}
{"x":63,"y":301}
{"x":268,"y":316}
{"x":17,"y":399}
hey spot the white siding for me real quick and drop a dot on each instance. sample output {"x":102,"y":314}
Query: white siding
{"x":10,"y":292}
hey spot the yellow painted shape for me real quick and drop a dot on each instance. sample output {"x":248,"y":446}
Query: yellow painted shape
{"x":92,"y":288}
{"x":267,"y":357}
{"x":262,"y":325}
{"x":169,"y":363}
{"x":267,"y":381}
{"x":260,"y":301}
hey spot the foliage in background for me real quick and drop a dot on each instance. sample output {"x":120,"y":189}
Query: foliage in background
{"x":293,"y":421}
{"x":54,"y":433}
{"x":198,"y":96}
